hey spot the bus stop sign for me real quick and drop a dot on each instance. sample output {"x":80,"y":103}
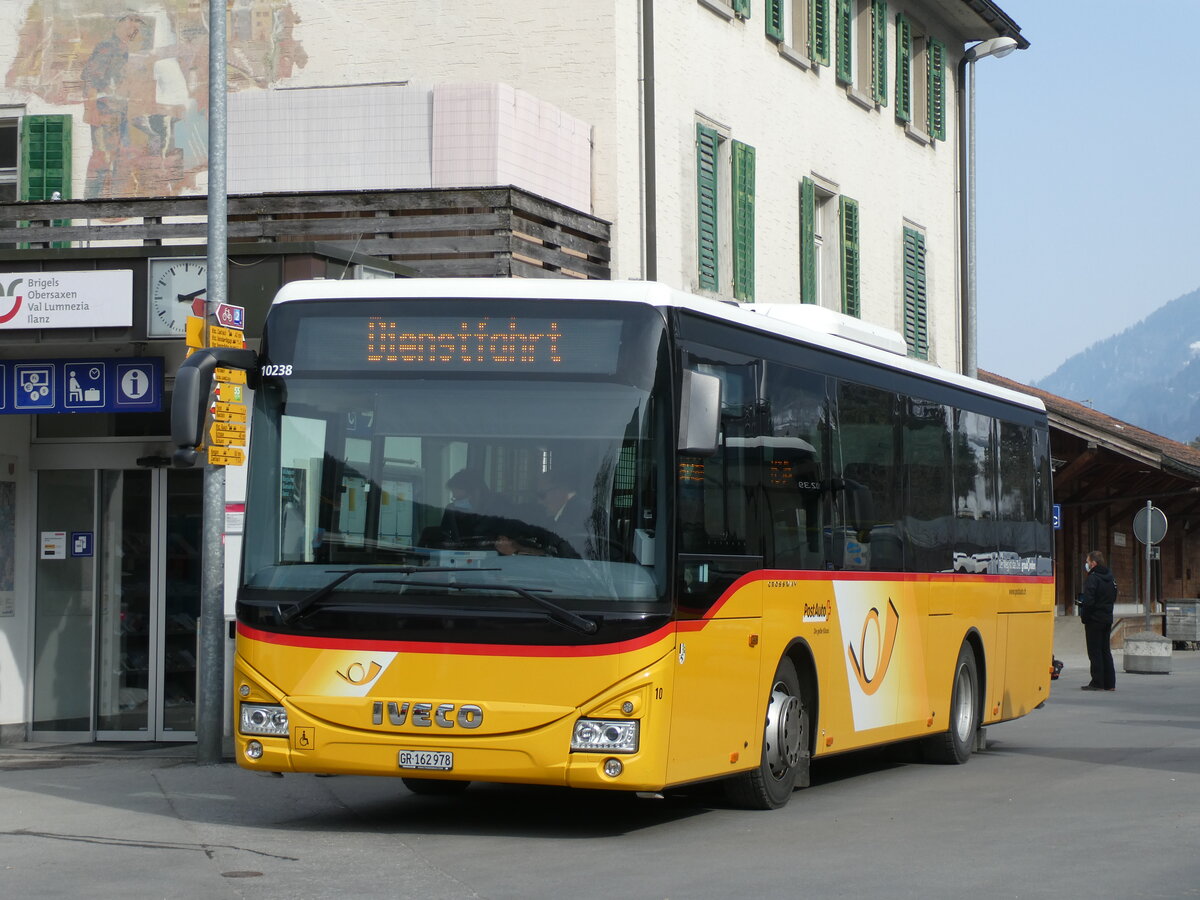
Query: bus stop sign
{"x":1150,"y":524}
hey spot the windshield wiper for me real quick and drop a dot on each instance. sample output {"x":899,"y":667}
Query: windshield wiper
{"x":298,"y":607}
{"x":556,"y":613}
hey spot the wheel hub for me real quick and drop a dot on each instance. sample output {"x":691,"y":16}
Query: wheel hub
{"x":784,"y":732}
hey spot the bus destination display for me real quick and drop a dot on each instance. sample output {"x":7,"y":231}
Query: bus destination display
{"x":463,"y":343}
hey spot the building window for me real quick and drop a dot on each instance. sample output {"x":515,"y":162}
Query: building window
{"x":862,"y":48}
{"x":9,"y":144}
{"x":800,"y":26}
{"x":829,"y":249}
{"x":920,"y":79}
{"x":916,"y":314}
{"x":725,"y":243}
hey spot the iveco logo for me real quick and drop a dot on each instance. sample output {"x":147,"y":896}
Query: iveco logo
{"x":426,"y":715}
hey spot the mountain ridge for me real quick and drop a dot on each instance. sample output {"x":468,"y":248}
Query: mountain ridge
{"x":1147,"y":374}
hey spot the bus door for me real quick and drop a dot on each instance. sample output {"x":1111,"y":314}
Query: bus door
{"x":716,"y":711}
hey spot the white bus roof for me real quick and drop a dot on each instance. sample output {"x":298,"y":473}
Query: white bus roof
{"x":783,"y":320}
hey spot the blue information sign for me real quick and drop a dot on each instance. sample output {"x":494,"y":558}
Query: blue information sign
{"x":81,"y":543}
{"x":81,"y":385}
{"x":1057,"y":516}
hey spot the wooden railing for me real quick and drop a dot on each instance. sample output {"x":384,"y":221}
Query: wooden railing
{"x":481,"y":232}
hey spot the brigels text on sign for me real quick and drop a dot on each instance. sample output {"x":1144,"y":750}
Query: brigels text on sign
{"x":97,"y":299}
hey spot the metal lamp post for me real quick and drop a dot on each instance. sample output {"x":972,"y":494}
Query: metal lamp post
{"x":998,"y":47}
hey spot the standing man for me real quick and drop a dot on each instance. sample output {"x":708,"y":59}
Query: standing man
{"x":1096,"y":612}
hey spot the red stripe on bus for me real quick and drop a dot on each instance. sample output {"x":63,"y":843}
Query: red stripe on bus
{"x":570,"y":650}
{"x":557,"y":650}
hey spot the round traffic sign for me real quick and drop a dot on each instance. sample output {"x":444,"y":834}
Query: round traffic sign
{"x":1150,"y":525}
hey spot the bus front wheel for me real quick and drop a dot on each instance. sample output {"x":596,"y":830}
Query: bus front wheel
{"x":955,"y":745}
{"x":785,"y":753}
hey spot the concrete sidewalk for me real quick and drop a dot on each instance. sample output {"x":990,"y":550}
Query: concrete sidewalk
{"x":143,"y":820}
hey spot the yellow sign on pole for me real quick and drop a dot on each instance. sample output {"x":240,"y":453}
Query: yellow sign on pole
{"x":225,"y":337}
{"x":229,"y":393}
{"x":226,"y":456}
{"x":228,"y":434}
{"x":229,"y":412}
{"x":230,"y":376}
{"x":195,"y":332}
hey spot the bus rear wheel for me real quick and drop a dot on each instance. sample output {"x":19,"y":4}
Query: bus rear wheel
{"x":955,"y":745}
{"x":785,"y":753}
{"x":435,"y":787}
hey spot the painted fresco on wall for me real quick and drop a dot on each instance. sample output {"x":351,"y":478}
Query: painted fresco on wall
{"x":139,"y":77}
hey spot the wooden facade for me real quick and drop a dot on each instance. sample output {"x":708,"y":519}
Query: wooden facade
{"x":1105,"y":470}
{"x":494,"y":232}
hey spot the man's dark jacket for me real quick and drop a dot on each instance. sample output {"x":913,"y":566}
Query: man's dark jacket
{"x":1099,"y":594}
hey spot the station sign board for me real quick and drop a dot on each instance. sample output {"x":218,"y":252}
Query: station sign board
{"x":100,"y":298}
{"x":43,"y":386}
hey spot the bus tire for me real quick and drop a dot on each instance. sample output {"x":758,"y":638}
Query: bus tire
{"x":435,"y":787}
{"x":954,"y":746}
{"x":785,"y":752}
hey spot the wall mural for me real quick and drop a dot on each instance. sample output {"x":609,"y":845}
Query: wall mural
{"x":140,"y":78}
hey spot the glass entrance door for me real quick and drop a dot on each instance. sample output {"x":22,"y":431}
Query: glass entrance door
{"x":128,"y":587}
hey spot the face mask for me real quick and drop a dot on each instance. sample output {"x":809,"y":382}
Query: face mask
{"x":1086,"y":568}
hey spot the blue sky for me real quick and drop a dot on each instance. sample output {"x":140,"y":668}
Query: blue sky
{"x":1088,"y":177}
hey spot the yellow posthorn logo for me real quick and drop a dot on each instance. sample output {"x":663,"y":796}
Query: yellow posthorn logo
{"x":870,"y":679}
{"x":358,"y":674}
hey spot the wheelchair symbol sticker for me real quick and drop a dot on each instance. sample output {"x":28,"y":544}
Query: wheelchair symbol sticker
{"x":35,"y":387}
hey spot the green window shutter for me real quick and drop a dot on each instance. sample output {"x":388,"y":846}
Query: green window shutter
{"x":741,"y":8}
{"x":706,"y":202}
{"x":774,"y":19}
{"x":879,"y":51}
{"x":937,"y":89}
{"x":45,"y":157}
{"x":845,"y":41}
{"x":916,"y":322}
{"x":903,"y":69}
{"x":818,"y":31}
{"x":851,"y":305}
{"x":808,"y":246}
{"x":743,"y":221}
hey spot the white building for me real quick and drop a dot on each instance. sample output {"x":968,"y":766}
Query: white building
{"x":780,"y":151}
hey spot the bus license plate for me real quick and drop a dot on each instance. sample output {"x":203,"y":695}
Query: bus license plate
{"x":439,"y":760}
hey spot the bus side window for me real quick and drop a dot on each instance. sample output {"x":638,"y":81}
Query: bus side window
{"x":869,"y":449}
{"x":718,"y":508}
{"x":795,"y":474}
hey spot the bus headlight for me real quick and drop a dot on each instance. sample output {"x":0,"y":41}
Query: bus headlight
{"x":261,"y":718}
{"x":605,"y":736}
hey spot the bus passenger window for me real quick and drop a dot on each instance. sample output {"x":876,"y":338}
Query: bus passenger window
{"x":795,"y":483}
{"x":868,"y":456}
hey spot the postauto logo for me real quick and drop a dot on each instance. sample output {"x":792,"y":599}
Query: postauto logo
{"x":16,"y":300}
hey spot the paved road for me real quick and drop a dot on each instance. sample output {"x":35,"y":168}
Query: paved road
{"x":1095,"y":795}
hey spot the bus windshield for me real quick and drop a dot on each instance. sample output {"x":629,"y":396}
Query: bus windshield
{"x":462,"y":485}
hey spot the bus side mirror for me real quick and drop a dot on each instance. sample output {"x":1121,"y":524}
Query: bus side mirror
{"x":193,"y":392}
{"x":699,"y":414}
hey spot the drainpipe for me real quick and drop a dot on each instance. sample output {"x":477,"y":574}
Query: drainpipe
{"x":649,"y":172}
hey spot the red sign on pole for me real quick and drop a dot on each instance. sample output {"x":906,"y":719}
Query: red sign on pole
{"x":231,"y":316}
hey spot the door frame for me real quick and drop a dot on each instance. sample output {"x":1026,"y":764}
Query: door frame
{"x":121,"y":455}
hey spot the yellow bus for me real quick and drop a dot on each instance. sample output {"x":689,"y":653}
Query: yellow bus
{"x":610,"y":535}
